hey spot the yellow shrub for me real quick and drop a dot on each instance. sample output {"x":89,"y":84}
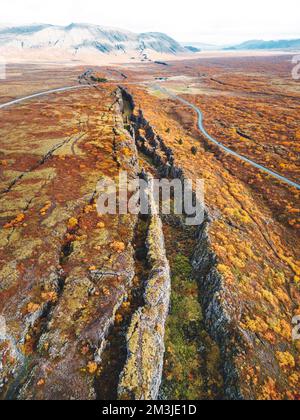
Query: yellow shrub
{"x":257,"y":325}
{"x":270,"y":297}
{"x":73,"y":222}
{"x":286,"y":360}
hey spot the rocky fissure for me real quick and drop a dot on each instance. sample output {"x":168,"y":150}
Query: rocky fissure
{"x":114,"y":355}
{"x":217,"y":315}
{"x":142,"y":373}
{"x":96,"y":321}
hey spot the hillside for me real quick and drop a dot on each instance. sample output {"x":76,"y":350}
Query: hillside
{"x":78,"y":39}
{"x":267,"y":45}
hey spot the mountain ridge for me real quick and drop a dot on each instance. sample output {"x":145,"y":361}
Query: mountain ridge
{"x":83,"y":37}
{"x":266,"y":45}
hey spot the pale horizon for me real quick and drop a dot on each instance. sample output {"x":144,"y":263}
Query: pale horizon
{"x":214,"y":23}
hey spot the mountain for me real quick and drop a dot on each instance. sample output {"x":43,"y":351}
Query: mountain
{"x":80,"y":38}
{"x":267,"y":45}
{"x":201,"y":46}
{"x":192,"y":49}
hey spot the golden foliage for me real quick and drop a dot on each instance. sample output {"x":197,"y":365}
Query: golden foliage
{"x":286,"y":360}
{"x":15,"y":222}
{"x":92,"y":368}
{"x":269,"y":391}
{"x":46,"y":207}
{"x":49,"y":296}
{"x":32,"y":307}
{"x":72,"y":223}
{"x":118,"y":247}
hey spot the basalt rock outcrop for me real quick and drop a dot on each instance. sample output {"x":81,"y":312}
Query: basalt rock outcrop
{"x":246,"y":269}
{"x":141,"y":376}
{"x":67,"y":270}
{"x":217,"y":315}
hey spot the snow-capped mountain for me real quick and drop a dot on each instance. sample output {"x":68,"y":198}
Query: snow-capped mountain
{"x":84,"y":38}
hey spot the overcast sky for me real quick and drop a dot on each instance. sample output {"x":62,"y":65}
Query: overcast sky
{"x":211,"y":21}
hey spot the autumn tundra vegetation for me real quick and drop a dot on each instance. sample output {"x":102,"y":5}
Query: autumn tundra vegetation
{"x":144,"y":306}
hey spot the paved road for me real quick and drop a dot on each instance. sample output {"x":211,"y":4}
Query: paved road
{"x":36,"y":95}
{"x":200,"y":125}
{"x":221,"y":146}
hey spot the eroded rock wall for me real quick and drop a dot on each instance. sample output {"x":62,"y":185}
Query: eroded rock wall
{"x":141,"y":376}
{"x":219,"y":316}
{"x":66,"y":270}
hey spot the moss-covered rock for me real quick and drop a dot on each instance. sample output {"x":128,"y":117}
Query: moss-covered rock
{"x":141,"y":376}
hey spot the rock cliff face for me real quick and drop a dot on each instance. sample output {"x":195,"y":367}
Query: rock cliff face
{"x":141,"y":376}
{"x":67,"y":271}
{"x":218,"y":316}
{"x":247,"y":286}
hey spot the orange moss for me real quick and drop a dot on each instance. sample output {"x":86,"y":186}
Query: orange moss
{"x":118,"y":319}
{"x":72,"y":223}
{"x":49,"y":296}
{"x":32,"y":307}
{"x":269,"y":391}
{"x":15,"y":222}
{"x":118,"y":247}
{"x":92,"y":368}
{"x":46,"y":207}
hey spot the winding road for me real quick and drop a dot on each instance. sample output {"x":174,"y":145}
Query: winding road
{"x":220,"y":145}
{"x":36,"y":95}
{"x":190,"y":105}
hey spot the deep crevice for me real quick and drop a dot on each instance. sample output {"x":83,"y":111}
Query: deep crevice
{"x":114,"y":355}
{"x":203,"y":259}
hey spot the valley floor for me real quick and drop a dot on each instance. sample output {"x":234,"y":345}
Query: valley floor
{"x":104,"y":307}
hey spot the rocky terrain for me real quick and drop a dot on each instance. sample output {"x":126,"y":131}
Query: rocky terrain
{"x":146,"y":307}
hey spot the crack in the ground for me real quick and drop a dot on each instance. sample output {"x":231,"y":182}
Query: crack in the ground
{"x":114,"y":355}
{"x":41,"y":162}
